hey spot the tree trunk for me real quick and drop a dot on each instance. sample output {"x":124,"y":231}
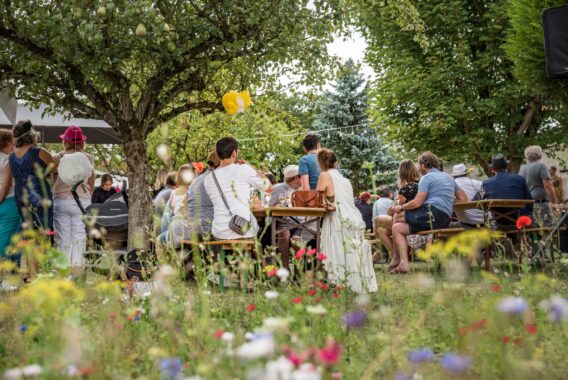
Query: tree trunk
{"x":515,"y":165}
{"x":139,"y":209}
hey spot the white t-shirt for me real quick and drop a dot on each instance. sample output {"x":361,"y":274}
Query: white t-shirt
{"x":4,"y":161}
{"x":472,"y":189}
{"x":237,"y":183}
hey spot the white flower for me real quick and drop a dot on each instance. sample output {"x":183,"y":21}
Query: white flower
{"x":317,"y":310}
{"x":280,"y":369}
{"x":260,"y":346}
{"x":162,"y":152}
{"x":306,"y":371}
{"x":273,"y":324}
{"x":249,"y":336}
{"x":73,"y":371}
{"x":283,"y":274}
{"x":31,"y":370}
{"x":363,"y":300}
{"x":271,"y":294}
{"x":557,"y":308}
{"x":228,"y":336}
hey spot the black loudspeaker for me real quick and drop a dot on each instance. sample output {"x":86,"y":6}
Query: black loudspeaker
{"x":555,"y":25}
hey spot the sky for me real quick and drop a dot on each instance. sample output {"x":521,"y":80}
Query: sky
{"x":354,"y":48}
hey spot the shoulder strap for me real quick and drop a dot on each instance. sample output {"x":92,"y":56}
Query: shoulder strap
{"x":221,"y":192}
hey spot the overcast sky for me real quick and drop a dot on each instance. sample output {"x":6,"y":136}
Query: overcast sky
{"x":353,"y":48}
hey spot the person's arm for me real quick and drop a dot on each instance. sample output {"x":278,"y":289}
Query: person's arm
{"x":401,"y":199}
{"x":324,"y":183}
{"x":264,"y":185}
{"x":47,"y":158}
{"x":303,"y":172}
{"x":5,"y":189}
{"x":549,"y":189}
{"x":461,"y":196}
{"x":527,"y":195}
{"x":305,"y":182}
{"x":413,"y":204}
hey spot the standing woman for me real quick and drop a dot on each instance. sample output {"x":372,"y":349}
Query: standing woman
{"x":349,"y":258}
{"x":69,"y":226}
{"x":10,"y":219}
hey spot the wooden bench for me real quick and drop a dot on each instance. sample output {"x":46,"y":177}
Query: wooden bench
{"x":245,"y":245}
{"x":441,"y":233}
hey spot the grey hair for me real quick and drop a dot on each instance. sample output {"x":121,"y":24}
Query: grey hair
{"x":533,"y":153}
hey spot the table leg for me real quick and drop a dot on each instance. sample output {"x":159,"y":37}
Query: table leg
{"x":488,"y":255}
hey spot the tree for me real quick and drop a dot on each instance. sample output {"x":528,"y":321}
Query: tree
{"x":344,"y":127}
{"x":139,"y":63}
{"x":445,"y":83}
{"x":269,"y":137}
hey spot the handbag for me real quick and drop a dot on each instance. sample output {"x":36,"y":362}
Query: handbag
{"x":237,"y":224}
{"x":307,"y":198}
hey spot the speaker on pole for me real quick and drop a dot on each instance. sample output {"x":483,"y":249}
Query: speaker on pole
{"x":555,"y":25}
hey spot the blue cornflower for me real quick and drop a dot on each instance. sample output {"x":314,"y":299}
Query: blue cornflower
{"x":455,"y":363}
{"x":170,"y":368}
{"x":355,"y":318}
{"x":23,"y":328}
{"x":421,"y":355}
{"x":557,"y":308}
{"x":403,"y":376}
{"x":513,"y":305}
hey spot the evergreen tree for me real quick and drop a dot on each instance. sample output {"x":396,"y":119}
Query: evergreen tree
{"x":343,"y":126}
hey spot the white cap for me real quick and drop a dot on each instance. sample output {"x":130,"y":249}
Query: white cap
{"x":459,"y":170}
{"x":291,"y":171}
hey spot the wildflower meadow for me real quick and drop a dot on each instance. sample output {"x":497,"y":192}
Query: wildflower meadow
{"x":447,"y":319}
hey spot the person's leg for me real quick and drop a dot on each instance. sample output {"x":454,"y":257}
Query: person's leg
{"x":62,"y":225}
{"x":383,"y":229}
{"x":79,"y":233}
{"x":284,"y":247}
{"x":399,"y":233}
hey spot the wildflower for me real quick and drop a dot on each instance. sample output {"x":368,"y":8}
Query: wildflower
{"x":362,"y":300}
{"x":420,"y":355}
{"x":355,"y":318}
{"x":271,"y":294}
{"x":218,"y":333}
{"x":312,"y":292}
{"x":505,"y":339}
{"x":321,"y":257}
{"x":260,"y":345}
{"x":531,"y":329}
{"x":297,"y":300}
{"x":294,"y":359}
{"x":523,"y":221}
{"x":330,"y":354}
{"x":311,"y":252}
{"x":300,"y":253}
{"x":317,"y":300}
{"x":337,"y":376}
{"x":273,"y":324}
{"x":280,"y":368}
{"x":557,"y":308}
{"x":251,"y":307}
{"x":170,"y":367}
{"x":50,"y":233}
{"x":512,"y":305}
{"x":306,"y":371}
{"x":455,"y":363}
{"x":270,"y":270}
{"x":32,"y":370}
{"x":316,"y":310}
{"x":227,"y":337}
{"x":283,"y":274}
{"x":23,"y":328}
{"x":496,"y":288}
{"x":321,"y":285}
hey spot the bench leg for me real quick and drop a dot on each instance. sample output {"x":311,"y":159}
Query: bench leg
{"x":222,"y":275}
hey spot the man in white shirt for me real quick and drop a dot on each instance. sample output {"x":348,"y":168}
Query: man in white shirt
{"x":237,"y":180}
{"x":470,"y":218}
{"x":382,"y":204}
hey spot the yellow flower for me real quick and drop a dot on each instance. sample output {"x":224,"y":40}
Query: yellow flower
{"x":269,"y":268}
{"x":466,"y":243}
{"x":51,"y":294}
{"x":7,"y":266}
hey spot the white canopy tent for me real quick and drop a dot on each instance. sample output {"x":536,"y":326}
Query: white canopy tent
{"x":51,"y":127}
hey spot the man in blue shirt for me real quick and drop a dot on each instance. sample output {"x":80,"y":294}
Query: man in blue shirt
{"x":504,"y":185}
{"x":431,"y":209}
{"x":309,"y":170}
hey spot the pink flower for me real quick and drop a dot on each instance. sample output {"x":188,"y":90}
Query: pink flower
{"x":531,"y":329}
{"x":295,"y":359}
{"x":330,"y":354}
{"x":311,"y":252}
{"x":272,"y":273}
{"x":300,"y":253}
{"x":297,"y":300}
{"x":251,"y":307}
{"x":218,"y":333}
{"x":321,"y":257}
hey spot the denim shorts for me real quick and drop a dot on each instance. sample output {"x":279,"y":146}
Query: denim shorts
{"x":426,"y":217}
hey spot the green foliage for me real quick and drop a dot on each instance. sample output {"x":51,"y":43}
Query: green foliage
{"x":269,"y":137}
{"x":346,"y":106}
{"x":445,"y":83}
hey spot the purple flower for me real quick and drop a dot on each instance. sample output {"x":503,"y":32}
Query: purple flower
{"x":557,"y":308}
{"x":513,"y":305}
{"x":355,"y":318}
{"x":421,"y":355}
{"x":403,"y":376}
{"x":23,"y":328}
{"x":455,"y":363}
{"x":170,"y":368}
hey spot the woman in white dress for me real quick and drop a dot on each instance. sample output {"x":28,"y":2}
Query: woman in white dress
{"x":349,"y":258}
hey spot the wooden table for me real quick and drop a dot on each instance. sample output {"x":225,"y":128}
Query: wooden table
{"x":495,"y":207}
{"x":293,"y":221}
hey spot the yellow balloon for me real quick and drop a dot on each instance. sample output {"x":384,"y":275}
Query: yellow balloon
{"x":230,"y":102}
{"x":246,"y":97}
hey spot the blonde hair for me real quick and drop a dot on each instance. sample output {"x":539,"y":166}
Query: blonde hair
{"x":161,"y":178}
{"x":68,"y":145}
{"x":407,"y":173}
{"x":182,"y":180}
{"x":533,"y":153}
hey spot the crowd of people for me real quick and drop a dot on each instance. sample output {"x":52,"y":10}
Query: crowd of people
{"x":215,"y":202}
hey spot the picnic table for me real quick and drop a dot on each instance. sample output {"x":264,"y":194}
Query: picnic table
{"x":302,"y":218}
{"x":507,"y":209}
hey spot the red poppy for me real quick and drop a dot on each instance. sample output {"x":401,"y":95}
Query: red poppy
{"x":523,"y":221}
{"x":312,"y":292}
{"x":218,"y":333}
{"x":317,"y":300}
{"x":299,"y":253}
{"x":496,"y":287}
{"x":506,"y":339}
{"x":321,"y":257}
{"x":531,"y":329}
{"x":297,"y":300}
{"x":321,"y":285}
{"x":272,"y":273}
{"x":251,"y":307}
{"x":479,"y":324}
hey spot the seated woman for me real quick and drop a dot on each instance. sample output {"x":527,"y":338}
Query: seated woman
{"x":408,"y":177}
{"x":349,"y":258}
{"x":104,"y":191}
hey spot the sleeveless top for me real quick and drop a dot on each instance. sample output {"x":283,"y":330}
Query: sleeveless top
{"x":28,"y":185}
{"x":3,"y":161}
